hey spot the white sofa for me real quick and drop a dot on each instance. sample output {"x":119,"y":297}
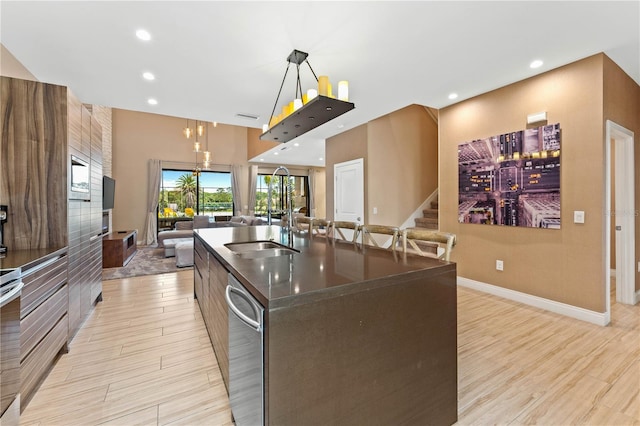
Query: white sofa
{"x":184,"y":229}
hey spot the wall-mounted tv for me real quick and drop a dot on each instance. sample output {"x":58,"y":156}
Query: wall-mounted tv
{"x":108,"y":192}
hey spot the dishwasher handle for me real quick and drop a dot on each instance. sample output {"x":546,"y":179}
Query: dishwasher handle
{"x":11,"y":294}
{"x":248,"y":321}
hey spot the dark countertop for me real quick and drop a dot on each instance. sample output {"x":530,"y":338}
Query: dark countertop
{"x":323,"y":268}
{"x":28,"y":258}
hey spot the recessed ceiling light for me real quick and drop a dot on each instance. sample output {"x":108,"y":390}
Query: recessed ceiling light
{"x":453,"y":95}
{"x":143,"y":35}
{"x":275,"y":153}
{"x":320,"y":158}
{"x":296,"y":144}
{"x":148,"y":76}
{"x":536,"y":64}
{"x":262,"y":159}
{"x":152,"y":101}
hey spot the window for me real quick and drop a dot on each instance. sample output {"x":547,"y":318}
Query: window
{"x":184,"y":195}
{"x":300,"y":201}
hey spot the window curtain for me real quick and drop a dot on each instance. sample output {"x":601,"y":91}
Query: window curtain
{"x":236,"y":170}
{"x":253,"y":183}
{"x":312,"y":192}
{"x":153,"y":192}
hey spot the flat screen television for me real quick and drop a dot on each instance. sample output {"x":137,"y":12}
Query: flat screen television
{"x":108,"y":192}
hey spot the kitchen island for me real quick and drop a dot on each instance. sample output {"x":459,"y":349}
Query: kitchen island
{"x":352,"y":334}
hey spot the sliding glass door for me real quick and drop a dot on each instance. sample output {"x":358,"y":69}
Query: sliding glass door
{"x":184,"y":194}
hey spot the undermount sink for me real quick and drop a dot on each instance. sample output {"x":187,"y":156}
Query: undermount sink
{"x":252,"y":246}
{"x":259,"y":249}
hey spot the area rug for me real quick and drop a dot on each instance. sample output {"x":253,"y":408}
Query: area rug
{"x":146,"y":261}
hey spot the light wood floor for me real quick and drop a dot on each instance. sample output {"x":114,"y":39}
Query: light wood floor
{"x":143,"y":357}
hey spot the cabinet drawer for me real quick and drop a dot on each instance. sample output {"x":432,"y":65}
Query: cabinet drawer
{"x":39,"y":322}
{"x":42,"y":283}
{"x":36,"y":364}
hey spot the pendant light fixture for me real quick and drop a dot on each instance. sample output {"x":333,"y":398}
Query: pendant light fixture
{"x":201,"y":129}
{"x":187,"y":131}
{"x":307,"y":110}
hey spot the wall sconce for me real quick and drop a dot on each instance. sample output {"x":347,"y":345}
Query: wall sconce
{"x":537,"y":117}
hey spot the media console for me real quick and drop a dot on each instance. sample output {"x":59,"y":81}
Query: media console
{"x":118,"y":248}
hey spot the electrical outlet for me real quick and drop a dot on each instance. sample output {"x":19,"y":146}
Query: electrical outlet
{"x":499,"y":265}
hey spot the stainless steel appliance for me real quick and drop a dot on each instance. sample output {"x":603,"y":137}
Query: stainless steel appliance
{"x":10,"y":291}
{"x":246,"y":360}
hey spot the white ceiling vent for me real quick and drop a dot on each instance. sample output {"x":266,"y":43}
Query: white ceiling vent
{"x":249,"y":116}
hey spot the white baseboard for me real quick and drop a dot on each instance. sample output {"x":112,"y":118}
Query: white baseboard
{"x":598,"y":318}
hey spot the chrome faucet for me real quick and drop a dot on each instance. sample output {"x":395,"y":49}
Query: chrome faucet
{"x":288,"y":195}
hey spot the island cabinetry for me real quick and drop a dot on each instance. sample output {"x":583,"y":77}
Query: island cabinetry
{"x":44,"y":325}
{"x":351,"y":334}
{"x":210,"y":283}
{"x":201,"y":270}
{"x":385,"y":355}
{"x":219,"y":315}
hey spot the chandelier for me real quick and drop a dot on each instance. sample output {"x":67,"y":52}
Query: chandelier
{"x":307,"y":110}
{"x":201,"y":130}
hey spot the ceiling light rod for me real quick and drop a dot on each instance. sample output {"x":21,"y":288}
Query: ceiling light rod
{"x":306,"y":111}
{"x":296,"y":57}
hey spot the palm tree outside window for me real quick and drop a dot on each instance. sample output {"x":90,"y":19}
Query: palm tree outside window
{"x":183,"y":195}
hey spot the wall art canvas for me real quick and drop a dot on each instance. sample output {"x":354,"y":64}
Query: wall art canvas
{"x":511,"y":179}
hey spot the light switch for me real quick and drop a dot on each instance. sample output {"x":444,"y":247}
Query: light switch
{"x":578,"y":216}
{"x":375,"y":210}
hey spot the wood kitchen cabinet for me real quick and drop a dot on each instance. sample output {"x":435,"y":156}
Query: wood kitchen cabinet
{"x":42,"y":126}
{"x":44,"y":325}
{"x":210,"y":283}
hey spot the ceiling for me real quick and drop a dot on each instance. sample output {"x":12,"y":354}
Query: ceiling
{"x":215,"y":59}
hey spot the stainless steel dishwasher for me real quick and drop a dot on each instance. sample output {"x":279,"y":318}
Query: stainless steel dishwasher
{"x":246,"y":360}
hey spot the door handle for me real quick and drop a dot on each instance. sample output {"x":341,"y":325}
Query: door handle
{"x":11,"y":294}
{"x":245,"y":319}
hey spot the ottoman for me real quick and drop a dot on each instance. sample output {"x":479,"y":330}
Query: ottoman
{"x":184,"y":253}
{"x":170,"y":245}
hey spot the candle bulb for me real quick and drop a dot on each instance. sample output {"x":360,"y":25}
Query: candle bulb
{"x":297,"y":104}
{"x":311,"y":93}
{"x":265,"y":127}
{"x":343,"y":90}
{"x":323,"y":85}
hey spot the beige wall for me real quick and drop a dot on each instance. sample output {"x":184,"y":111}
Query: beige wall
{"x":138,"y":137}
{"x":564,"y":265}
{"x":256,"y":146}
{"x":402,"y":153}
{"x":346,"y":146}
{"x":11,"y":67}
{"x":622,"y":105}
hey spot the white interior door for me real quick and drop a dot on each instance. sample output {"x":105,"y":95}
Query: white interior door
{"x":348,"y":194}
{"x":623,"y":213}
